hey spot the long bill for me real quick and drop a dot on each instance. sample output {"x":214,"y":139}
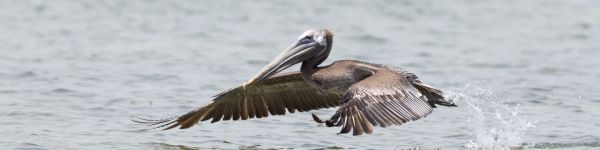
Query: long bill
{"x":296,"y":53}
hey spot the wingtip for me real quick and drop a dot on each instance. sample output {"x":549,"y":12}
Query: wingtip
{"x":450,"y":103}
{"x":154,"y":123}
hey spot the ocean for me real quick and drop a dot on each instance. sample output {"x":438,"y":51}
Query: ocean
{"x":524,"y":74}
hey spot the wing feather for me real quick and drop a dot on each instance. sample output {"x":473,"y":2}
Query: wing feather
{"x":383,"y":99}
{"x":273,"y":96}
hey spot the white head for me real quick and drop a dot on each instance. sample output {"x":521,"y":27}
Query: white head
{"x":317,"y":36}
{"x":310,"y":44}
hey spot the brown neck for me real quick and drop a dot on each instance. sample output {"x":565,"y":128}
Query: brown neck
{"x":310,"y":66}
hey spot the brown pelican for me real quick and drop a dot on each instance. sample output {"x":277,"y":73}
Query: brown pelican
{"x":367,"y":94}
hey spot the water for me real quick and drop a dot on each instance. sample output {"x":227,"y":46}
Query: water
{"x":524,"y":73}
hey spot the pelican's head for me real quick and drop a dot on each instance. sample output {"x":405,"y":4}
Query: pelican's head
{"x":310,"y":44}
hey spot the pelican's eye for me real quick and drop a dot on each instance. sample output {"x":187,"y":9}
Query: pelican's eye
{"x":306,"y":39}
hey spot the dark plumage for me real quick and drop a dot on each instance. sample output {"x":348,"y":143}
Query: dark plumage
{"x":367,"y":94}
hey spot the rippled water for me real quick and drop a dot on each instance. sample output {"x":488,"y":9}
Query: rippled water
{"x":524,"y":73}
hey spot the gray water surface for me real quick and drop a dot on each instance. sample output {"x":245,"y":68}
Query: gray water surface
{"x":525,"y":74}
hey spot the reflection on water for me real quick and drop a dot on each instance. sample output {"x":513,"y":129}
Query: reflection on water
{"x":164,"y":146}
{"x":575,"y":145}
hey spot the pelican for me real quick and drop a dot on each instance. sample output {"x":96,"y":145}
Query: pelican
{"x":367,"y":94}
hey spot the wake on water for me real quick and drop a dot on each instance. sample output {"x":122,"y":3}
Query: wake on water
{"x":492,"y":123}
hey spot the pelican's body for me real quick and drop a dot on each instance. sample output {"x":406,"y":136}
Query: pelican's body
{"x":367,"y":94}
{"x":337,"y":77}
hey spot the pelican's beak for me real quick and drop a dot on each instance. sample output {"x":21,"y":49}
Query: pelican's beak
{"x":300,"y":51}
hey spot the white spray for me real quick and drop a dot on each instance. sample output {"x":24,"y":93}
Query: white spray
{"x":492,"y":124}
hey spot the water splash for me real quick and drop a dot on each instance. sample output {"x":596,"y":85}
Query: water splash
{"x":493,"y":123}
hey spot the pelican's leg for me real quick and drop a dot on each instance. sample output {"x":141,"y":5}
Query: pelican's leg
{"x":329,"y":123}
{"x":317,"y":119}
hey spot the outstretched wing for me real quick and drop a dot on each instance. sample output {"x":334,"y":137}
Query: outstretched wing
{"x":274,"y":96}
{"x":385,"y":98}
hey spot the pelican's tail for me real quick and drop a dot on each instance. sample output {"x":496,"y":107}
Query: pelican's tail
{"x":434,"y":96}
